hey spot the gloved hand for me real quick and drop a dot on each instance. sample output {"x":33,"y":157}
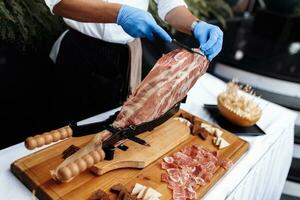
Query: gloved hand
{"x":210,"y":38}
{"x":139,"y":23}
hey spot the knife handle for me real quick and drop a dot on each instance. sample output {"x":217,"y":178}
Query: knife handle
{"x":68,"y":172}
{"x":48,"y":137}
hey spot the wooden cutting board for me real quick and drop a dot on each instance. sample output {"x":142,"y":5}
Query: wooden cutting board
{"x":33,"y":170}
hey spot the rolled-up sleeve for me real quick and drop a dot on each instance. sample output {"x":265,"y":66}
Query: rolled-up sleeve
{"x":164,"y":6}
{"x":51,"y":4}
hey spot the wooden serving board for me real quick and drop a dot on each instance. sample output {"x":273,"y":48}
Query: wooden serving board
{"x":33,"y":170}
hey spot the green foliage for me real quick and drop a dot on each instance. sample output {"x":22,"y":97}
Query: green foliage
{"x":203,"y":9}
{"x":297,"y":10}
{"x":28,"y":24}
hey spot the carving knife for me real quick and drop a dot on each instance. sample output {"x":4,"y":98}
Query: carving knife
{"x":174,"y":41}
{"x":118,"y":133}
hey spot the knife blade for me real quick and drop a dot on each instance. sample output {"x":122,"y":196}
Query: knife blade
{"x":174,"y":41}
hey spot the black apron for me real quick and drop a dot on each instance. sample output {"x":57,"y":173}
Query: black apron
{"x":92,"y":76}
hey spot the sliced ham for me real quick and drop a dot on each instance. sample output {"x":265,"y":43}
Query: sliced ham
{"x":164,"y":177}
{"x":165,"y":165}
{"x":226,"y":164}
{"x":168,"y":159}
{"x":190,"y":168}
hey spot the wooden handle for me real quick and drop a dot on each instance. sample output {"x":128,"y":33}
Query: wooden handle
{"x":74,"y":168}
{"x":48,"y":137}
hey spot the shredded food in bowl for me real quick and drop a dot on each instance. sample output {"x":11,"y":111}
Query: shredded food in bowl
{"x":239,"y":102}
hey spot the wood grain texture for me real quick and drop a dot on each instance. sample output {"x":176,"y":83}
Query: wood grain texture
{"x":33,"y":170}
{"x":138,"y":156}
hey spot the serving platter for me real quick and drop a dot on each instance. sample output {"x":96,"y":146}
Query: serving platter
{"x":139,"y":164}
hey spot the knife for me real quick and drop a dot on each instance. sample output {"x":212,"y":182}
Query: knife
{"x":174,"y":41}
{"x":78,"y":130}
{"x":118,"y":134}
{"x":67,"y":131}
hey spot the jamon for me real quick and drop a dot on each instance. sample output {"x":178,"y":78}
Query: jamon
{"x":166,"y":84}
{"x":190,"y":168}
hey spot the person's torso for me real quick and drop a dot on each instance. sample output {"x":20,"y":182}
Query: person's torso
{"x":109,"y":32}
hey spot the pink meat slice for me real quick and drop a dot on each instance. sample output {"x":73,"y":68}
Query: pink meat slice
{"x":198,"y":170}
{"x":184,"y":160}
{"x":226,"y":164}
{"x":164,"y":177}
{"x":190,"y":193}
{"x":200,"y":181}
{"x":189,"y":168}
{"x":167,"y":83}
{"x":174,"y":175}
{"x":179,"y":193}
{"x":165,"y":165}
{"x":169,"y":159}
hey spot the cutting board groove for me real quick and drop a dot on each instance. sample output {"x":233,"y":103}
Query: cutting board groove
{"x":33,"y":170}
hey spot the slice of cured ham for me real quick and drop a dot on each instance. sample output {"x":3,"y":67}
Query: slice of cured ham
{"x":167,"y":83}
{"x":191,"y":167}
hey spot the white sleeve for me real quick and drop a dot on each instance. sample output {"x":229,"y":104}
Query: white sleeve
{"x":164,"y":6}
{"x":51,"y":4}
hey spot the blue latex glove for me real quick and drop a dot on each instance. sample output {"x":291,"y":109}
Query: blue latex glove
{"x":140,"y":24}
{"x":210,"y":38}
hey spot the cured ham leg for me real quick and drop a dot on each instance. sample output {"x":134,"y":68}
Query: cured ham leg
{"x":167,"y":83}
